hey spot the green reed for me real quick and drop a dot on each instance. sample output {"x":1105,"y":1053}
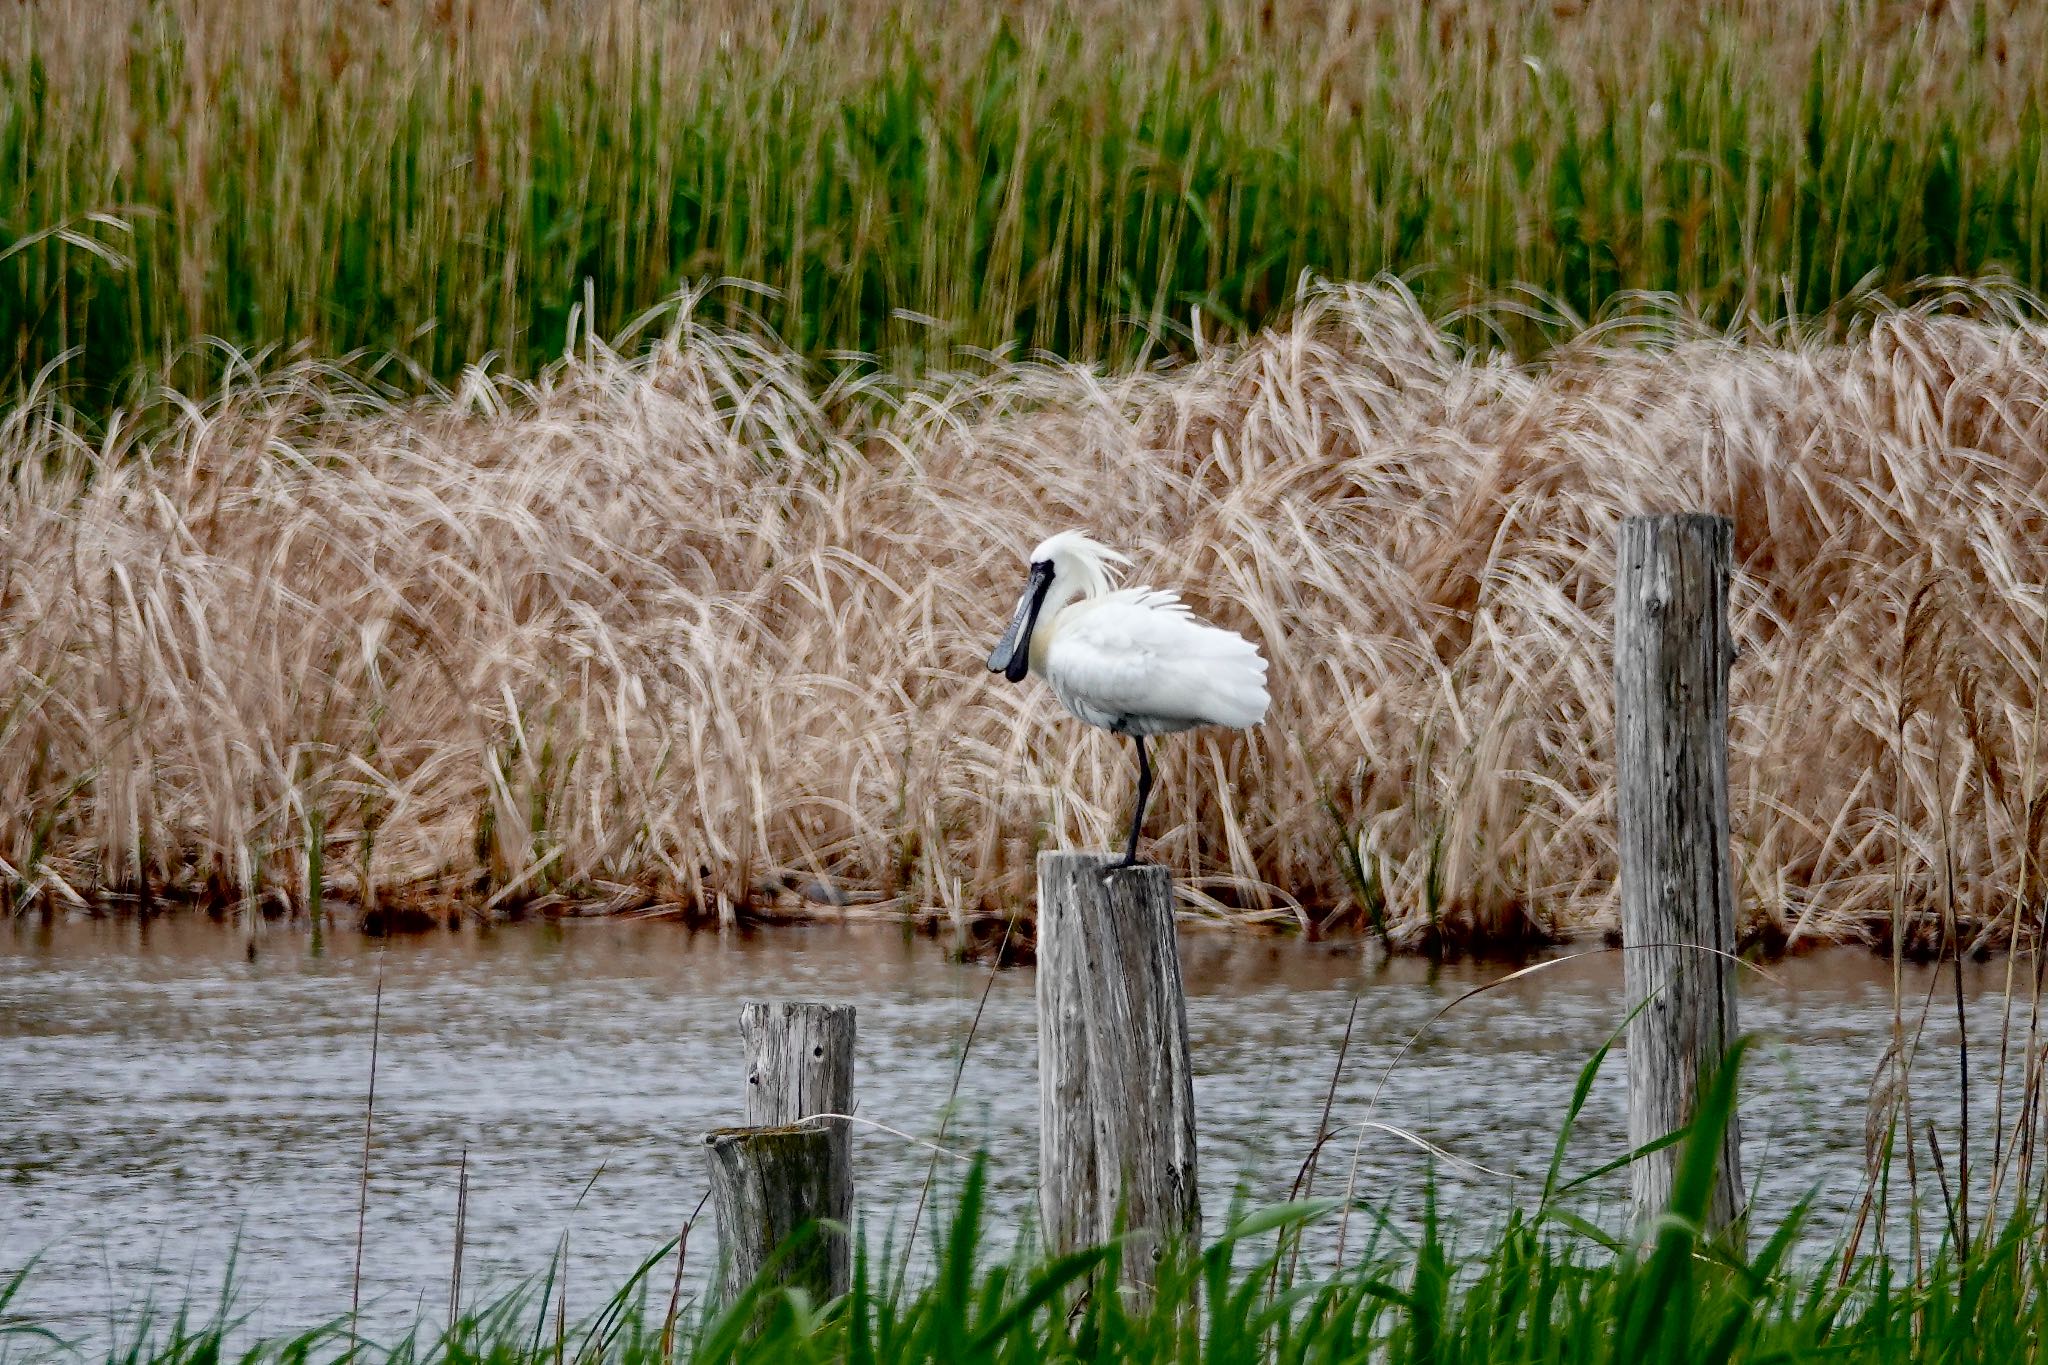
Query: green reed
{"x":1531,"y":1291}
{"x":448,"y":183}
{"x":1545,"y":1285}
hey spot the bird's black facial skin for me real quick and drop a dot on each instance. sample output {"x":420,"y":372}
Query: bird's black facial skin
{"x":1012,"y":654}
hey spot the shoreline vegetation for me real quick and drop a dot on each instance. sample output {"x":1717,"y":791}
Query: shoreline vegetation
{"x":423,"y":185}
{"x":1543,"y":1282}
{"x":698,"y":630}
{"x":1549,"y":1286}
{"x":467,"y":457}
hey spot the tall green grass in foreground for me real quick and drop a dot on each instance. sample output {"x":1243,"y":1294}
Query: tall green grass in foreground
{"x":1538,"y":1289}
{"x":1545,"y":1285}
{"x":449,"y":180}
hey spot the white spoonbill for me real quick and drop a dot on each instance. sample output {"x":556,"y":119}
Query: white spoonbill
{"x":1133,"y":661}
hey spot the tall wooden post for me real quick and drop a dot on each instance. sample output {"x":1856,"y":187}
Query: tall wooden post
{"x":1671,"y":656}
{"x":800,"y":1065}
{"x":790,"y":1166}
{"x":1066,"y":1120}
{"x":1115,"y":1087}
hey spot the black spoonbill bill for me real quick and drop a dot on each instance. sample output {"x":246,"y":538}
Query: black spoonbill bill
{"x":1132,"y":660}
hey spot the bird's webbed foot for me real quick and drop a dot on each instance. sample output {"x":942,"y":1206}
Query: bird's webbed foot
{"x":1108,"y":871}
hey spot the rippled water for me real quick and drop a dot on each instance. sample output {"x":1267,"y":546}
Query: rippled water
{"x":177,"y":1093}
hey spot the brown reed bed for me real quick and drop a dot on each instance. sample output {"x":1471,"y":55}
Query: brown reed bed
{"x":703,"y":631}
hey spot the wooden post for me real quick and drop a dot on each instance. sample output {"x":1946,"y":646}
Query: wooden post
{"x":1671,"y":657}
{"x":789,"y":1166}
{"x":1115,"y":1088}
{"x":766,"y":1183}
{"x":1066,"y":1123}
{"x":800,"y":1065}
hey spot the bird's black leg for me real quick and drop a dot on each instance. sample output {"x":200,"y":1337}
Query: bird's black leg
{"x":1144,"y":795}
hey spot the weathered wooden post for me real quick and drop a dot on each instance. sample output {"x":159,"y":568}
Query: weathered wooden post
{"x":799,"y":1066}
{"x":766,"y":1183}
{"x":1115,"y":1087}
{"x":1671,"y":656}
{"x":789,"y":1166}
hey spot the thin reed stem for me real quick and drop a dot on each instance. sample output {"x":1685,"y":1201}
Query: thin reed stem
{"x":355,"y":1285}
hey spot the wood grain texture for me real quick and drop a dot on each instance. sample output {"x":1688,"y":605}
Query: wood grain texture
{"x":766,"y":1184}
{"x":1671,"y":658}
{"x":1066,"y":1123}
{"x":1116,"y":1087}
{"x":789,"y":1166}
{"x":799,"y":1060}
{"x":800,"y":1065}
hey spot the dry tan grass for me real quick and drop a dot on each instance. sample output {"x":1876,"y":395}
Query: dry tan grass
{"x":681,"y":628}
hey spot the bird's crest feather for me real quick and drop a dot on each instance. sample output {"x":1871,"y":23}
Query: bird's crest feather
{"x":1087,"y":559}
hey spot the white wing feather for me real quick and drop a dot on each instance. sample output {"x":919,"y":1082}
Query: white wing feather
{"x":1138,"y":660}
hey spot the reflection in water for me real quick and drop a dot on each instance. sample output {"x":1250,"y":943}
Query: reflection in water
{"x":169,"y":1099}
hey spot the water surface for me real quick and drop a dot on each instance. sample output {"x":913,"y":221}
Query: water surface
{"x":180,"y":1092}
